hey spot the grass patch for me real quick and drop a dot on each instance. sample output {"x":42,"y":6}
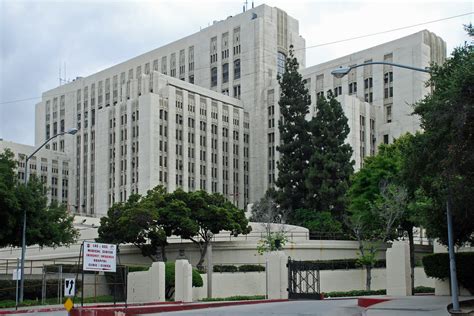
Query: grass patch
{"x":54,"y":301}
{"x":234,"y":298}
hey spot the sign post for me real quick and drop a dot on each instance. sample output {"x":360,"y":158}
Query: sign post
{"x":99,"y":257}
{"x":69,"y":287}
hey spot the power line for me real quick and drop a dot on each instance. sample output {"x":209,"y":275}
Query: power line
{"x":304,"y":48}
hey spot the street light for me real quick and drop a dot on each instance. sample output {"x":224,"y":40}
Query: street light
{"x":341,"y":72}
{"x":70,"y":131}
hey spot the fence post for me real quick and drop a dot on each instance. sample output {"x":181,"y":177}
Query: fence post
{"x":16,"y":277}
{"x":60,"y":283}
{"x":43,"y":286}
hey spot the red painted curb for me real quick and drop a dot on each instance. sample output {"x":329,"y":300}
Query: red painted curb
{"x":367,"y":301}
{"x":33,"y":310}
{"x":135,"y":310}
{"x":55,"y":309}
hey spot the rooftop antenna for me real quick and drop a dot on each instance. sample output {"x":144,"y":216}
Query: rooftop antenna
{"x":62,"y":80}
{"x":245,"y":5}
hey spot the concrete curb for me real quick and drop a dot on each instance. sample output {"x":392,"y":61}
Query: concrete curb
{"x":135,"y":310}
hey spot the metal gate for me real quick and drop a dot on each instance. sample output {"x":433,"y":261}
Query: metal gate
{"x":303,"y":280}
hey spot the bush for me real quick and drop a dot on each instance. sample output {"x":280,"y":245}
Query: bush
{"x":345,"y":264}
{"x":355,"y":293}
{"x":437,"y":266}
{"x":32,"y":289}
{"x":234,"y":298}
{"x":424,"y":289}
{"x":169,"y":279}
{"x":224,"y":268}
{"x":251,"y":268}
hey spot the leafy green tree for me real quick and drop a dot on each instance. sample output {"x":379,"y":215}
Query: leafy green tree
{"x":379,"y":200}
{"x":440,"y":165}
{"x":295,"y":147}
{"x":47,"y":225}
{"x":212,"y":213}
{"x":147,"y":221}
{"x":330,"y":165}
{"x":132,"y":222}
{"x":318,"y":222}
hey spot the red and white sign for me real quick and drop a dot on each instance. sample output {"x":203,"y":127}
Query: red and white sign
{"x":99,"y":257}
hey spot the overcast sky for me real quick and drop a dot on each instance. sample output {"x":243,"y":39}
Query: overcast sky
{"x":36,"y":37}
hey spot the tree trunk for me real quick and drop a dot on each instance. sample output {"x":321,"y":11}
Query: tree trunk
{"x":163,"y":253}
{"x":203,"y":250}
{"x":412,"y":257}
{"x":368,"y":279}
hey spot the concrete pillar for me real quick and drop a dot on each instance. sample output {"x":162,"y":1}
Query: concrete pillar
{"x":398,"y":269}
{"x":183,"y":282}
{"x":147,"y":286}
{"x":277,"y":275}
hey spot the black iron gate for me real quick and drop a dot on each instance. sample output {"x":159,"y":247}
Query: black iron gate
{"x":303,"y":280}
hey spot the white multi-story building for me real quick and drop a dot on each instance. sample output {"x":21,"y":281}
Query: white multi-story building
{"x":219,"y":94}
{"x":51,"y":167}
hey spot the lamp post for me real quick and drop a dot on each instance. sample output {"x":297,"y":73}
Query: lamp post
{"x":70,"y":131}
{"x":341,"y":72}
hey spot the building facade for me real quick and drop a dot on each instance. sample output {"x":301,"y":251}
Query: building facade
{"x":51,"y":167}
{"x":202,"y":112}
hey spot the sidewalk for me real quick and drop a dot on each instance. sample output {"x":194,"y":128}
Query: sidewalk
{"x":413,"y":305}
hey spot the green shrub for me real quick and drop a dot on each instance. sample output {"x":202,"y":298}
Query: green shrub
{"x":345,"y":264}
{"x":355,"y":293}
{"x":224,"y":268}
{"x":234,"y":298}
{"x":32,"y":289}
{"x":169,"y":279}
{"x":424,"y":289}
{"x":437,"y":266}
{"x":251,"y":268}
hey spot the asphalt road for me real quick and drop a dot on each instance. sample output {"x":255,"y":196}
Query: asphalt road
{"x":314,"y":308}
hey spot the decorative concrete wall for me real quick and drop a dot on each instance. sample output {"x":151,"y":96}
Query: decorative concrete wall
{"x":147,"y":286}
{"x":398,"y":270}
{"x":227,"y":284}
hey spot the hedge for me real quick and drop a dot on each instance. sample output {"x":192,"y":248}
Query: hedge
{"x":251,"y":268}
{"x":345,"y":264}
{"x":437,"y":266}
{"x":224,"y":268}
{"x":32,"y":289}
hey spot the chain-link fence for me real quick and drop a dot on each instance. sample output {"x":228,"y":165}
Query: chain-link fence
{"x":45,"y":282}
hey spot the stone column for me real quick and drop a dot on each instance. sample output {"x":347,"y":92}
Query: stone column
{"x":398,"y":269}
{"x":183,"y":281}
{"x":277,"y":275}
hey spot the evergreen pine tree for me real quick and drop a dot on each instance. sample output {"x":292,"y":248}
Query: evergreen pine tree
{"x":330,"y":165}
{"x":295,"y":147}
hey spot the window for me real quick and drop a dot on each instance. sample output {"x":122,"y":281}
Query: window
{"x":368,"y":83}
{"x":237,"y":69}
{"x":352,"y":87}
{"x":214,"y":76}
{"x":389,"y":113}
{"x":191,"y":79}
{"x":237,"y":92}
{"x":225,"y":73}
{"x":385,"y":139}
{"x":281,"y":59}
